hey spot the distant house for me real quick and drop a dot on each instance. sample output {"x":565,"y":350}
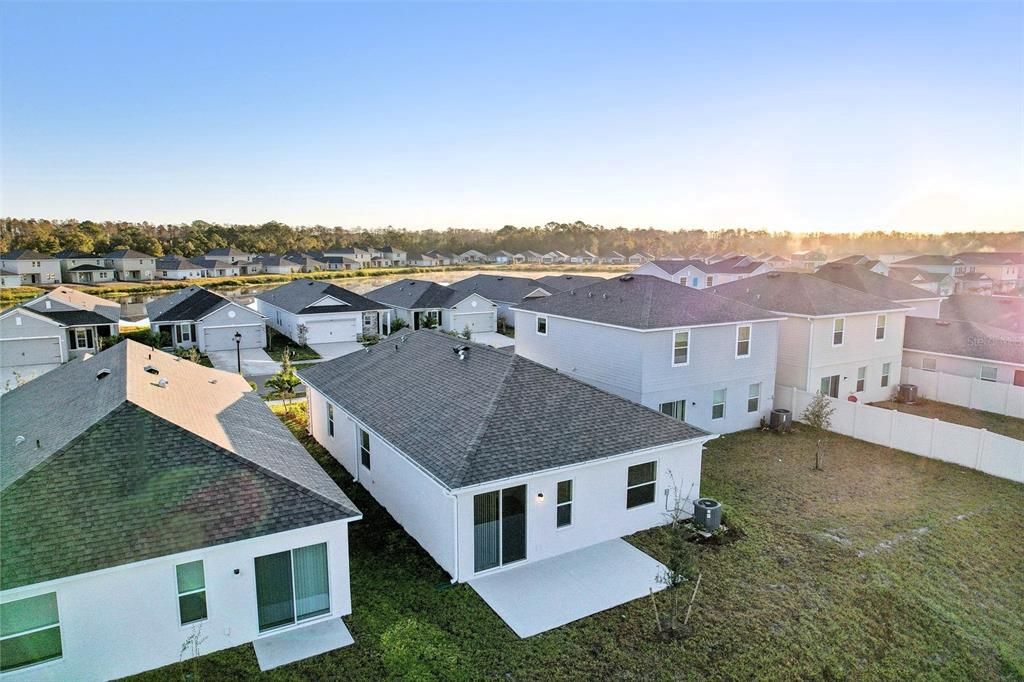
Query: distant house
{"x":840,"y":341}
{"x":1005,"y":269}
{"x":921,"y":302}
{"x":1002,"y":312}
{"x":308,"y":311}
{"x":472,"y":256}
{"x":308,"y":261}
{"x":935,"y":282}
{"x":83,"y":268}
{"x":492,"y":462}
{"x":130,"y":265}
{"x":640,"y":257}
{"x":61,"y":325}
{"x":428,"y":304}
{"x":965,"y":349}
{"x":613,"y":258}
{"x":552,"y":257}
{"x":178,"y":268}
{"x":584,"y":257}
{"x":156,"y":498}
{"x":704,"y":359}
{"x":556,"y":283}
{"x":30,"y":266}
{"x":700,"y":274}
{"x":501,"y":257}
{"x":247,"y":263}
{"x":441,"y":258}
{"x":358,"y":256}
{"x":773,"y":261}
{"x":809,"y":260}
{"x":197,"y":317}
{"x":974,"y":283}
{"x":280,"y":265}
{"x":503,"y":291}
{"x":866,"y":262}
{"x":529,"y":257}
{"x":218,"y":268}
{"x":398,"y":257}
{"x":936,"y":263}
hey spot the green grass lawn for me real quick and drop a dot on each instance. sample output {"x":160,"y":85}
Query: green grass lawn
{"x":882,"y":566}
{"x":932,"y":409}
{"x":279,"y":342}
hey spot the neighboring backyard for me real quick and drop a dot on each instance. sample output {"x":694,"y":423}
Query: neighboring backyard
{"x":965,"y":416}
{"x":882,"y":566}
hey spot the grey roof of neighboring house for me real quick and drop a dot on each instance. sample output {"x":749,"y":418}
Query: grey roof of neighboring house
{"x":671,"y":267}
{"x":967,"y":339}
{"x":925,"y":259}
{"x":862,"y":279}
{"x":555,"y":283}
{"x":645,"y":302}
{"x":415,"y":294}
{"x":24,"y":254}
{"x":734,"y":264}
{"x":489,"y":416}
{"x":908,"y":274}
{"x":88,"y":268}
{"x":122,"y":470}
{"x":175,"y":262}
{"x":127,"y":253}
{"x":802,"y":294}
{"x":213,"y":263}
{"x":85,"y":308}
{"x":974,"y":276}
{"x":499,"y":288}
{"x":1003,"y":312}
{"x":299,"y":294}
{"x":229,"y":252}
{"x":279,"y":261}
{"x":70,"y":254}
{"x":184,"y":305}
{"x":991,"y":257}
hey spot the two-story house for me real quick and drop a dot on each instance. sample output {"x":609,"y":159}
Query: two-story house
{"x":836,"y":340}
{"x":83,"y":268}
{"x":921,"y":302}
{"x":31,"y":267}
{"x":247,"y":263}
{"x":704,"y":359}
{"x":808,"y":260}
{"x":130,"y":265}
{"x":1005,"y":269}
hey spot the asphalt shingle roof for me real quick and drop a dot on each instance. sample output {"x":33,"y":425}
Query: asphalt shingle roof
{"x":967,"y":339}
{"x":184,"y":305}
{"x":802,"y":294}
{"x":414,"y":294}
{"x":24,"y":254}
{"x":925,"y":259}
{"x":76,"y":307}
{"x":488,"y":416}
{"x":299,"y":294}
{"x":500,"y":288}
{"x":863,"y":279}
{"x":1003,"y":312}
{"x":127,"y":253}
{"x":555,"y":283}
{"x":645,"y":302}
{"x":176,"y":263}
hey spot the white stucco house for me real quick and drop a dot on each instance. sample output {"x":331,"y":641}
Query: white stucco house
{"x":316,"y":311}
{"x":30,"y":267}
{"x":840,"y":341}
{"x":703,"y":359}
{"x":197,"y":317}
{"x":492,"y":462}
{"x":428,"y":304}
{"x":157,"y":499}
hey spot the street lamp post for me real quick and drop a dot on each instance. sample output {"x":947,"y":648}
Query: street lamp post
{"x":238,"y":350}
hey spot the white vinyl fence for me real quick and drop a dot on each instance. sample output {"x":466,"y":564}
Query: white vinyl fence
{"x":967,"y":391}
{"x":972,"y":448}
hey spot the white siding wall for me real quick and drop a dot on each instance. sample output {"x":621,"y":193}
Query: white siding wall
{"x":859,"y":349}
{"x":125,"y":620}
{"x":962,"y":367}
{"x":794,"y":349}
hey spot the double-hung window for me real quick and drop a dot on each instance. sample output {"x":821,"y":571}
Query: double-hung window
{"x":838,"y":331}
{"x":862,"y":376}
{"x":709,"y":281}
{"x":754,"y":398}
{"x":29,"y":631}
{"x":718,"y":404}
{"x":185,"y":332}
{"x":880,"y":327}
{"x":988,"y":373}
{"x":82,"y":338}
{"x":563,"y":506}
{"x":640,"y":484}
{"x":681,"y":348}
{"x":191,"y":592}
{"x":743,"y":341}
{"x":364,"y":448}
{"x":675,"y":408}
{"x":542,"y":325}
{"x":330,"y":420}
{"x":886,"y":369}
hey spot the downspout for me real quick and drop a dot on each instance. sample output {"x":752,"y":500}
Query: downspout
{"x":455,"y":511}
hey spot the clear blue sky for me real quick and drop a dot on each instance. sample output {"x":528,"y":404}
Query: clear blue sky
{"x":794,"y":115}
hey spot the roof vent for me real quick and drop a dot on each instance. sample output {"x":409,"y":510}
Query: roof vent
{"x":212,"y":380}
{"x":103,"y":373}
{"x":605,"y":296}
{"x":19,"y":440}
{"x":590,"y":294}
{"x":461,"y":351}
{"x":500,"y":278}
{"x":626,"y":278}
{"x":162,"y":383}
{"x":151,"y":369}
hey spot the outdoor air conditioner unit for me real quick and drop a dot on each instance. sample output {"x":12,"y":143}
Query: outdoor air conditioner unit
{"x":707,"y":514}
{"x":907,"y":393}
{"x":780,"y":419}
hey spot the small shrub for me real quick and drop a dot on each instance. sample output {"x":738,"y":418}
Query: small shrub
{"x":368,"y":339}
{"x":398,"y":323}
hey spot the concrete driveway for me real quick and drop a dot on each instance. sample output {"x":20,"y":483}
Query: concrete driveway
{"x":329,"y":351}
{"x":255,"y":362}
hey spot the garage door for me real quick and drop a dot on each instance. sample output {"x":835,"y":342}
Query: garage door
{"x":331,"y":331}
{"x":223,"y":338}
{"x":477,"y":322}
{"x":19,"y":352}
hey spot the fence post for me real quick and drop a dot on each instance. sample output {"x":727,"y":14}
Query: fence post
{"x":853,"y":427}
{"x":970,"y":394}
{"x":892,"y":426}
{"x":981,"y":447}
{"x":931,"y":438}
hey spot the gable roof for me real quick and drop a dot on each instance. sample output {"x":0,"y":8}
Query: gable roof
{"x":71,"y":254}
{"x":298,"y":295}
{"x":414,"y":294}
{"x":555,"y":283}
{"x":991,"y":257}
{"x":1003,"y":312}
{"x":228,"y":252}
{"x":924,"y":259}
{"x":488,"y":416}
{"x":645,"y":302}
{"x":672,"y":267}
{"x":127,"y":253}
{"x":862,"y":279}
{"x":144,"y":470}
{"x":24,"y":254}
{"x":274,"y":260}
{"x":175,"y":262}
{"x":910,"y":274}
{"x":500,"y":288}
{"x":965,"y":339}
{"x":76,"y":307}
{"x":802,"y":294}
{"x":188,"y":304}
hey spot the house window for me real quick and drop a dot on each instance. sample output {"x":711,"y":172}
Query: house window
{"x":29,"y":632}
{"x":542,"y":325}
{"x":369,"y":319}
{"x":640,"y":484}
{"x":830,"y":386}
{"x":879,"y":327}
{"x":754,"y":398}
{"x":988,"y":373}
{"x":743,"y":341}
{"x":191,"y":592}
{"x":886,"y":366}
{"x":563,"y":507}
{"x":330,"y":420}
{"x":185,"y":332}
{"x":675,"y":408}
{"x":718,"y":404}
{"x":364,"y":448}
{"x":291,"y":586}
{"x":680,"y":348}
{"x":838,"y":327}
{"x":862,"y":376}
{"x":709,"y":281}
{"x":82,"y":338}
{"x":928,"y":364}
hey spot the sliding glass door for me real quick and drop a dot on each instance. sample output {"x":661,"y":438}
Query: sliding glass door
{"x":499,"y":527}
{"x":292,"y":586}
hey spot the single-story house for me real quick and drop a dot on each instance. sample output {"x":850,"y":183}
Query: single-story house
{"x":922,"y":303}
{"x":965,"y":349}
{"x":613,"y":258}
{"x":583,"y":256}
{"x":504,"y":291}
{"x":178,"y":268}
{"x":428,"y":304}
{"x":156,"y":500}
{"x":501,"y":257}
{"x":936,"y":282}
{"x":280,"y":265}
{"x":197,"y":317}
{"x":556,"y":283}
{"x":218,"y":268}
{"x":309,"y":311}
{"x":472,"y":256}
{"x":491,"y":461}
{"x":247,"y":263}
{"x":529,"y":257}
{"x":973,"y":283}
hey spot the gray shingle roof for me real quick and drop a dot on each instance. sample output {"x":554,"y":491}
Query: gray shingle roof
{"x":184,"y":305}
{"x":299,"y":294}
{"x":1003,"y":312}
{"x":89,"y":268}
{"x":123,"y":470}
{"x":968,"y":339}
{"x":500,"y":288}
{"x":489,"y":416}
{"x":92,"y":309}
{"x":645,"y":302}
{"x":24,"y":254}
{"x":413,"y":294}
{"x":127,"y":253}
{"x":863,"y":279}
{"x":671,"y":267}
{"x":925,"y":259}
{"x":176,"y":263}
{"x":802,"y":294}
{"x":554,"y":283}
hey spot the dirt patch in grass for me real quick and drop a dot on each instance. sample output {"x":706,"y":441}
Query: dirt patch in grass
{"x":965,"y":416}
{"x":805,"y":593}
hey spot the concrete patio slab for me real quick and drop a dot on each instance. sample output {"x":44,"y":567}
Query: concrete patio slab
{"x":493,"y":339}
{"x":255,"y":362}
{"x":547,"y":594}
{"x":329,"y":351}
{"x":297,"y":644}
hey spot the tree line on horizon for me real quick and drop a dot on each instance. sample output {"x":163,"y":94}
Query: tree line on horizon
{"x":198,"y":237}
